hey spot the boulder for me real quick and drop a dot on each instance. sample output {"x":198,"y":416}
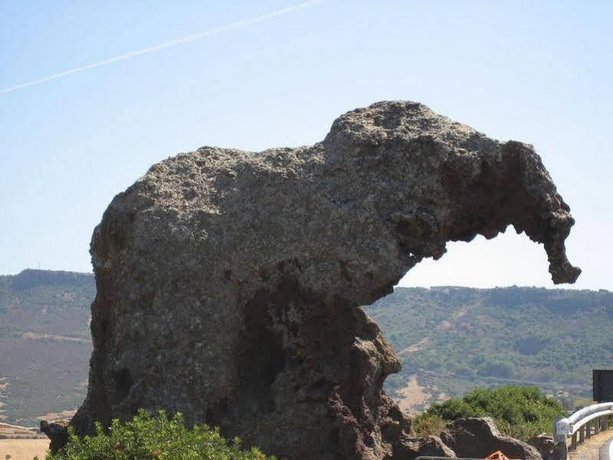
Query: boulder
{"x":544,"y":444}
{"x":228,"y":282}
{"x":479,"y":437}
{"x":57,"y":432}
{"x":409,"y":448}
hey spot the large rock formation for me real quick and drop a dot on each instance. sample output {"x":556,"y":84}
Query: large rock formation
{"x":228,"y":281}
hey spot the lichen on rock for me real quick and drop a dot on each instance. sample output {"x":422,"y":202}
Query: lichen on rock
{"x":228,"y":282}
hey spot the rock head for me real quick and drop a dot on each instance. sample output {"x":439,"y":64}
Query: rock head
{"x":228,"y":282}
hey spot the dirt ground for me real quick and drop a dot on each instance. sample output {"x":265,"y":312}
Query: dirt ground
{"x":3,"y":386}
{"x":416,"y":346}
{"x":590,"y":449}
{"x":413,"y":397}
{"x":64,"y":415}
{"x":8,"y":431}
{"x":23,"y":449}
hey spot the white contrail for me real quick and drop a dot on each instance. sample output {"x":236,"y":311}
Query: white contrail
{"x":161,"y":46}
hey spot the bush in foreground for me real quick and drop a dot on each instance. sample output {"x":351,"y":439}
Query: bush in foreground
{"x":155,"y":438}
{"x":519,"y":411}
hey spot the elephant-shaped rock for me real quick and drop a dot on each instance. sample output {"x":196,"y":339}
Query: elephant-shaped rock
{"x":228,"y":282}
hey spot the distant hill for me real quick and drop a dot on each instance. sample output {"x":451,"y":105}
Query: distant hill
{"x":453,"y":339}
{"x":29,"y":279}
{"x":450,"y":340}
{"x":45,"y":343}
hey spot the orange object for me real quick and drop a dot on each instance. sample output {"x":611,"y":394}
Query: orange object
{"x":497,"y":456}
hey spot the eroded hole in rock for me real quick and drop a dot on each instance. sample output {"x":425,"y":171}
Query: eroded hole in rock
{"x":216,"y":412}
{"x":262,"y":355}
{"x":123,"y":383}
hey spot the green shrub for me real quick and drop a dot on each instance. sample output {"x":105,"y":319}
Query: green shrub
{"x":427,"y":424}
{"x":155,"y":438}
{"x":519,"y":411}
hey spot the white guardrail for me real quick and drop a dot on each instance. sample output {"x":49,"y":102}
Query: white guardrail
{"x":580,"y":426}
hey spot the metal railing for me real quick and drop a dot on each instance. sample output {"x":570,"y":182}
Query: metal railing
{"x":580,"y":426}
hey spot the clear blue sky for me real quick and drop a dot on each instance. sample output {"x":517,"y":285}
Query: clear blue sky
{"x":538,"y":72}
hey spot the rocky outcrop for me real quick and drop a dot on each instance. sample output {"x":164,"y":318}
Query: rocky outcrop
{"x":544,"y":444}
{"x":408,"y":448}
{"x":228,"y":282}
{"x":479,"y":437}
{"x":57,"y":431}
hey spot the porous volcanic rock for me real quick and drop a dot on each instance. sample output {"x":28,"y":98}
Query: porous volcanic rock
{"x":545,"y":444}
{"x":57,"y":431}
{"x":479,"y":437}
{"x":228,"y":282}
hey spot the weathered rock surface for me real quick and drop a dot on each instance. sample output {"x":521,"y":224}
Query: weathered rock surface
{"x":544,"y":444}
{"x":479,"y":437}
{"x":408,"y":448}
{"x":57,"y":431}
{"x":228,"y":282}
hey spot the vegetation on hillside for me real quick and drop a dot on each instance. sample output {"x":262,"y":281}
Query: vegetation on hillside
{"x":455,"y":339}
{"x":45,"y":343}
{"x":152,"y":438}
{"x":519,"y":411}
